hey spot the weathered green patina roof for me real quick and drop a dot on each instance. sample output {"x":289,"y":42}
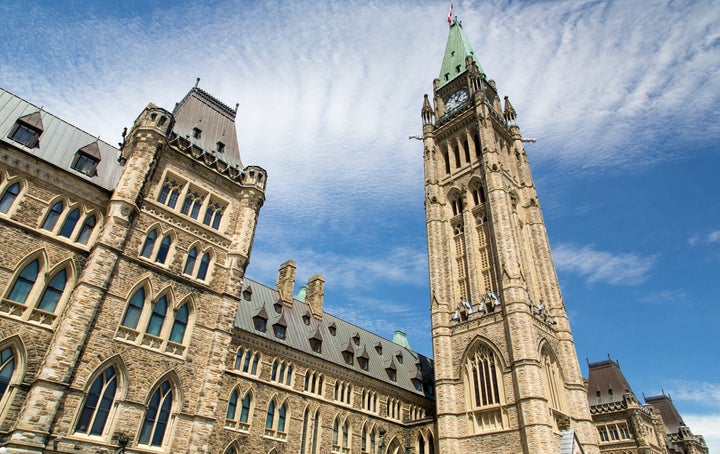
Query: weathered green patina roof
{"x":456,"y":50}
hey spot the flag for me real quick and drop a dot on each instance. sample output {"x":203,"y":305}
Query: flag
{"x":450,"y":13}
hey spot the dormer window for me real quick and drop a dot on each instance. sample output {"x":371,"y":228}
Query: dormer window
{"x":247,"y":293}
{"x":399,"y":357}
{"x":27,"y":130}
{"x":332,"y":328}
{"x":316,"y":345}
{"x":260,"y":321}
{"x":417,"y":383}
{"x":363,"y":363}
{"x":280,"y":331}
{"x":197,"y":133}
{"x":457,"y":68}
{"x":391,"y":373}
{"x":220,"y":147}
{"x":356,"y":339}
{"x":86,"y":159}
{"x":378,"y":348}
{"x":348,"y":357}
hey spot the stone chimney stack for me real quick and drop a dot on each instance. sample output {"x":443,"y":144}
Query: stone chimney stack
{"x":285,"y":283}
{"x":315,"y":294}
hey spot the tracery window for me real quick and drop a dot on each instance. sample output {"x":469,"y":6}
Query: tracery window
{"x":484,"y":388}
{"x":192,"y":203}
{"x":170,"y":192}
{"x":157,"y":416}
{"x":98,"y":403}
{"x":213,"y":214}
{"x":369,"y":400}
{"x":552,"y":379}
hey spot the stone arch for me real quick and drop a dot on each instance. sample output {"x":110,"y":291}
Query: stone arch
{"x":479,"y":340}
{"x":395,"y":446}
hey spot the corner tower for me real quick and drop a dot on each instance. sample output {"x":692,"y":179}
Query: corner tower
{"x":506,"y":371}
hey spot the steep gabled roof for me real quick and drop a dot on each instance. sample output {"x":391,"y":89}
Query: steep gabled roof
{"x":457,"y":48}
{"x":215,"y":121}
{"x":672,"y":419}
{"x":606,"y":383}
{"x":335,"y":341}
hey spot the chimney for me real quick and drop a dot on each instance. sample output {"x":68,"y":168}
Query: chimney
{"x":400,"y":338}
{"x":315,"y":294}
{"x":285,"y":284}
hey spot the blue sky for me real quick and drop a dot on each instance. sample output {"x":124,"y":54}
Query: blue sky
{"x":623,"y":97}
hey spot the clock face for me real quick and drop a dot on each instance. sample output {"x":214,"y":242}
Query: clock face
{"x":456,"y":99}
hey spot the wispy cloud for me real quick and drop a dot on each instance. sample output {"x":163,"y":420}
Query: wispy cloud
{"x":703,"y":393}
{"x":712,"y":237}
{"x":665,"y":298}
{"x":397,"y":266}
{"x":603,"y":266}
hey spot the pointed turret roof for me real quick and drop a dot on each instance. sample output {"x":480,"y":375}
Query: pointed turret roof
{"x":457,"y":48}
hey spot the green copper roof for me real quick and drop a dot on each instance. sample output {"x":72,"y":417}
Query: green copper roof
{"x":456,"y":50}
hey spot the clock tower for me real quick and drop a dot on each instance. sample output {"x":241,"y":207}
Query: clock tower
{"x":506,"y":372}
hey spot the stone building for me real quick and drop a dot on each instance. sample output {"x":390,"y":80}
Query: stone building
{"x":127,"y":323}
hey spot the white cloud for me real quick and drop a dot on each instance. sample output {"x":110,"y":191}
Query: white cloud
{"x":712,"y":237}
{"x":707,"y":426}
{"x":704,"y":393}
{"x":602,"y":266}
{"x":397,"y":266}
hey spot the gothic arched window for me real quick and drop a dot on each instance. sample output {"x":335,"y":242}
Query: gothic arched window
{"x":53,"y":292}
{"x":71,"y":220}
{"x":149,"y":244}
{"x":9,"y":197}
{"x":552,"y":379}
{"x":157,"y":416}
{"x":179,"y":325}
{"x":190,"y":262}
{"x":134,"y":309}
{"x":24,"y":282}
{"x":157,"y":318}
{"x":484,"y":390}
{"x":8,"y":365}
{"x":98,"y":403}
{"x":87,"y":229}
{"x":53,"y":215}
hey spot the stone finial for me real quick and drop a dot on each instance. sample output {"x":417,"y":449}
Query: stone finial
{"x":510,"y":114}
{"x":285,"y":283}
{"x":315,"y":294}
{"x":427,"y":111}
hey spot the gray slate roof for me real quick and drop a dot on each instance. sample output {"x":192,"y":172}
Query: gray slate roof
{"x":664,"y":404}
{"x":199,"y":109}
{"x":59,"y":140}
{"x":381,"y":353}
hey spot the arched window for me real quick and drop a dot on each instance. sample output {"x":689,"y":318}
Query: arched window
{"x":98,"y":403}
{"x":179,"y":325}
{"x":213,"y":215}
{"x":316,"y":432}
{"x":9,"y":197}
{"x":239,"y":418}
{"x":192,"y":203}
{"x":421,"y":445}
{"x":232,"y":406}
{"x":190,"y":262}
{"x":53,"y":292}
{"x":87,"y":229}
{"x":164,"y":249}
{"x":552,"y":379}
{"x":275,"y":421}
{"x":204,"y":264}
{"x":157,"y":416}
{"x":157,"y":318}
{"x":53,"y":216}
{"x":70,"y":222}
{"x":247,"y":361}
{"x":134,"y":309}
{"x":149,"y":244}
{"x":24,"y":282}
{"x":245,"y":409}
{"x":170,"y":193}
{"x":484,"y":389}
{"x":8,"y":364}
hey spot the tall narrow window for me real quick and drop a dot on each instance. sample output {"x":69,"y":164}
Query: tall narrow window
{"x":53,"y":216}
{"x":483,"y":386}
{"x":270,"y":418}
{"x":213,"y":215}
{"x":53,"y":292}
{"x":170,"y":193}
{"x":232,"y":405}
{"x":98,"y":403}
{"x":179,"y":325}
{"x":149,"y":244}
{"x":7,"y":368}
{"x":190,"y":262}
{"x":87,"y":229}
{"x":191,"y":205}
{"x":164,"y":249}
{"x":8,"y":198}
{"x":157,"y":416}
{"x":25,"y":282}
{"x":204,"y":264}
{"x":158,"y":317}
{"x":135,"y":307}
{"x":245,"y":409}
{"x":70,"y":222}
{"x":282,"y":413}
